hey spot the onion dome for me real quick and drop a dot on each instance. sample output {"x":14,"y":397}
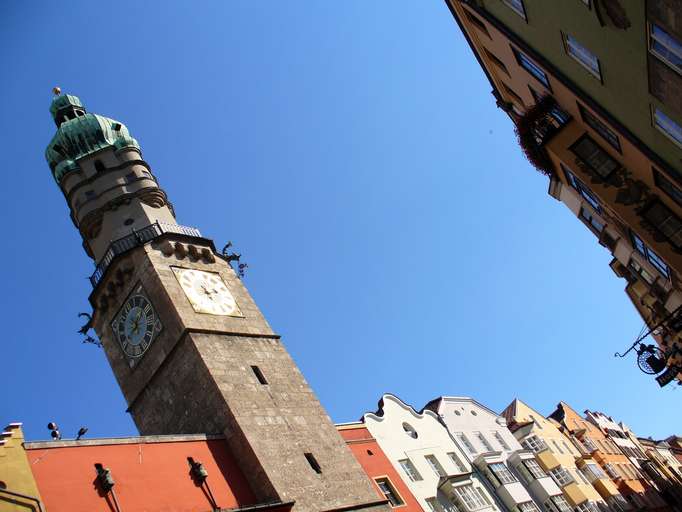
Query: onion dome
{"x":80,"y":134}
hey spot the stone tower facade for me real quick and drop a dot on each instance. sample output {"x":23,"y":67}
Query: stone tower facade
{"x":190,"y":349}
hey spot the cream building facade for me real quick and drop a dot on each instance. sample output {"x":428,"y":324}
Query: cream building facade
{"x":556,"y":454}
{"x":434,"y":468}
{"x":513,"y":471}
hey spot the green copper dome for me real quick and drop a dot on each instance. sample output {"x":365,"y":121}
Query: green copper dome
{"x":80,"y":134}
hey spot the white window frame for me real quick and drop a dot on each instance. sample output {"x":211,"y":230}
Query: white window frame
{"x":464,"y":440}
{"x":502,"y":473}
{"x":559,"y":503}
{"x":667,"y":126}
{"x":391,"y":491}
{"x":484,"y":442}
{"x":470,"y":497}
{"x":434,"y":504}
{"x":409,"y":469}
{"x":670,"y":44}
{"x":527,"y":506}
{"x":561,"y":476}
{"x":535,"y":443}
{"x":582,"y":55}
{"x":500,"y":440}
{"x":457,"y":462}
{"x":435,"y":465}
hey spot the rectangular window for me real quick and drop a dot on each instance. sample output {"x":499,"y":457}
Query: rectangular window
{"x":464,"y":441}
{"x":259,"y":375}
{"x":582,"y":55}
{"x":313,"y":462}
{"x":665,"y":47}
{"x":410,"y":470}
{"x":500,"y":439}
{"x":560,"y":503}
{"x":594,"y":156}
{"x":618,"y":503}
{"x":435,"y":465}
{"x":587,"y":506}
{"x":534,"y":468}
{"x":493,"y":58}
{"x":434,"y":505}
{"x":534,"y":443}
{"x":457,"y":462}
{"x":667,"y":186}
{"x":592,"y":472}
{"x":389,"y":492}
{"x":481,"y":439}
{"x":130,"y":177}
{"x":89,"y":194}
{"x":470,"y":497}
{"x":561,"y":476}
{"x":665,"y":221}
{"x":477,"y":23}
{"x":611,"y":470}
{"x":516,"y":6}
{"x":592,"y":222}
{"x":598,"y":126}
{"x":582,"y":189}
{"x":650,"y":255}
{"x":502,"y":473}
{"x":589,"y":444}
{"x":528,"y":506}
{"x":529,"y":65}
{"x":665,"y":124}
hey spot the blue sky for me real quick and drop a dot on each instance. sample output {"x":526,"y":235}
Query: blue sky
{"x":396,"y":237}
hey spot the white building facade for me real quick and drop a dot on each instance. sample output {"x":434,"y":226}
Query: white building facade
{"x":434,"y":468}
{"x":482,"y":434}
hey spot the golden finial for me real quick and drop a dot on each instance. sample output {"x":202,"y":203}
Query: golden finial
{"x":56,"y":90}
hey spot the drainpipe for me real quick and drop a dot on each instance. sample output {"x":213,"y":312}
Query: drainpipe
{"x":25,"y":497}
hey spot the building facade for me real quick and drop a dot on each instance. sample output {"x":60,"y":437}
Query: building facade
{"x":589,"y":86}
{"x":429,"y":461}
{"x":600,"y":459}
{"x":514,"y":473}
{"x":556,"y":454}
{"x":633,"y":483}
{"x":190,"y":349}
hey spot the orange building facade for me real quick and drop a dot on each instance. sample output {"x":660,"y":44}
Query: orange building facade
{"x":620,"y":188}
{"x":184,"y":473}
{"x":388,"y":482}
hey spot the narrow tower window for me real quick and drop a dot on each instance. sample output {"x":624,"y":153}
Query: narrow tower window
{"x":99,"y":166}
{"x":259,"y":375}
{"x":313,"y":462}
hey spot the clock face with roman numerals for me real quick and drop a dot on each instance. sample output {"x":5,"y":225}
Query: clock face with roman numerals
{"x":136,"y":325}
{"x":207,"y":292}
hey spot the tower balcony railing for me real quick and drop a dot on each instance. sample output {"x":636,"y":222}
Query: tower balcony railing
{"x":135,"y":239}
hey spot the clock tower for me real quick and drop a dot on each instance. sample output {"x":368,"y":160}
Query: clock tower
{"x":190,"y":349}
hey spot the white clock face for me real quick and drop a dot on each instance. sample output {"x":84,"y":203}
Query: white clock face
{"x":207,"y":292}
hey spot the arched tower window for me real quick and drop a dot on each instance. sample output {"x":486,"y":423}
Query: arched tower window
{"x":99,"y":166}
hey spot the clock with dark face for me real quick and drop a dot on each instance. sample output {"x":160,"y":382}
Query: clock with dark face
{"x":136,"y":326}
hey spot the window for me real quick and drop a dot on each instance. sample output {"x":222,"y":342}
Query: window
{"x":667,"y":186}
{"x":559,"y":503}
{"x":592,"y":222}
{"x":618,"y":503}
{"x":434,"y":505}
{"x":476,"y":22}
{"x":313,"y":462}
{"x":592,"y":472}
{"x":500,"y":439}
{"x":589,"y":444}
{"x":457,"y":462}
{"x":496,"y":61}
{"x":594,"y":156}
{"x":534,"y":468}
{"x":561,"y":476}
{"x":582,"y":55}
{"x":528,"y":506}
{"x":587,"y":506}
{"x":481,"y":438}
{"x":435,"y":465}
{"x":502,"y":473}
{"x":604,"y":131}
{"x":665,"y":221}
{"x":556,"y":445}
{"x":582,"y":189}
{"x":410,"y":470}
{"x":130,"y":177}
{"x":516,"y":6}
{"x":99,"y":166}
{"x":389,"y":492}
{"x":464,"y":441}
{"x":534,"y":443}
{"x":611,"y":470}
{"x":529,"y":65}
{"x":665,"y":47}
{"x":670,"y":128}
{"x":259,"y":375}
{"x":470,"y":497}
{"x":410,"y":431}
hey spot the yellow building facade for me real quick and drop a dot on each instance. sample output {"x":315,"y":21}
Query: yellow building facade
{"x":18,"y":489}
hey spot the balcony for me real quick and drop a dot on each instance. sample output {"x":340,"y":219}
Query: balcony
{"x":135,"y":239}
{"x":536,"y":127}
